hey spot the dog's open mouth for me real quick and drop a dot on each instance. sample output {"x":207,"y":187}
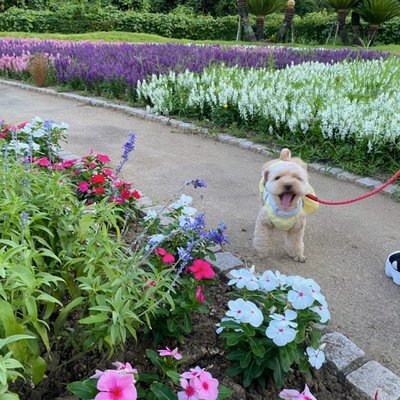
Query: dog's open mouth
{"x":287,"y":199}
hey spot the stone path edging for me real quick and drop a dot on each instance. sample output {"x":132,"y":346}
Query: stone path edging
{"x":246,"y":144}
{"x":345,"y":361}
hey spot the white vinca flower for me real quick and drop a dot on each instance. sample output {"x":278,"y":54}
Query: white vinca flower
{"x":245,"y":311}
{"x":316,"y":357}
{"x":183,"y":201}
{"x":244,"y":278}
{"x":300,"y":296}
{"x":268,"y":281}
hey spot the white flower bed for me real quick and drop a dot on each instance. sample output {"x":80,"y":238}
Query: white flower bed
{"x":358,"y":100}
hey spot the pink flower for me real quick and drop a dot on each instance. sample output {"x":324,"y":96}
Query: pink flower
{"x":168,"y":352}
{"x":206,"y":386}
{"x":107,"y":172}
{"x":93,"y":165}
{"x":103,"y":158}
{"x":3,"y":135}
{"x":202,"y":270}
{"x":83,"y":186}
{"x":22,"y":125}
{"x":116,"y":386}
{"x":199,"y":295}
{"x":68,"y":164}
{"x":189,"y":392}
{"x":125,"y":368}
{"x":290,"y":394}
{"x":167,"y":258}
{"x":43,"y":162}
{"x":193,"y":373}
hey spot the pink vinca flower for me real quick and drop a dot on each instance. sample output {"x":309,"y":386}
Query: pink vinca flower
{"x":166,"y":257}
{"x":115,"y":386}
{"x":199,"y":295}
{"x":189,"y":392}
{"x":125,"y":368}
{"x":206,"y":386}
{"x":83,"y":187}
{"x":202,"y":270}
{"x":193,"y":373}
{"x":168,"y":352}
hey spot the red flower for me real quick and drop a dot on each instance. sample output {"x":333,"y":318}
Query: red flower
{"x":68,"y":164}
{"x":98,"y":190}
{"x":22,"y":125}
{"x":125,"y":194}
{"x":202,"y":270}
{"x":99,"y":178}
{"x":136,"y":194}
{"x":103,"y":158}
{"x":3,"y":135}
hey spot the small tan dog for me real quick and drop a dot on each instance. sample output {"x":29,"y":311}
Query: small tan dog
{"x":283,"y":187}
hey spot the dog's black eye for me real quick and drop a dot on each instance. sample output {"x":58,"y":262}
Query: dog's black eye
{"x":278,"y":177}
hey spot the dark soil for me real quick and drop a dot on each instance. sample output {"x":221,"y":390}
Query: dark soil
{"x":202,"y":347}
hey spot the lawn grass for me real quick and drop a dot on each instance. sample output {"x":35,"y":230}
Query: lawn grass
{"x":114,"y":36}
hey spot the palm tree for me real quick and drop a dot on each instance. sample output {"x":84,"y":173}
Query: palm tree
{"x":261,"y":8}
{"x":376,"y":12}
{"x":342,"y":7}
{"x":244,"y":17}
{"x":287,"y":20}
{"x":356,"y":27}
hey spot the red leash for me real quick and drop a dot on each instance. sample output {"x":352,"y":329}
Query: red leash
{"x":364,"y":196}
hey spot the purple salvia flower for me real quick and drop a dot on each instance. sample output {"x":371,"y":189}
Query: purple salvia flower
{"x":128,"y":147}
{"x":197,"y":183}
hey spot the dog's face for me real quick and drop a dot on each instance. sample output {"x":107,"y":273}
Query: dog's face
{"x":286,"y":181}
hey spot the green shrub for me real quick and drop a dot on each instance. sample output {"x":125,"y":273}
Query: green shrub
{"x":312,"y":28}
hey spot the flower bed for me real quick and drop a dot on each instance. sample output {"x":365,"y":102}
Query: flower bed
{"x":347,"y":112}
{"x":86,"y":274}
{"x":115,"y":68}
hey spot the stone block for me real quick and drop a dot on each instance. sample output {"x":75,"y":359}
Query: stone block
{"x":341,"y":353}
{"x":225,"y":261}
{"x":369,"y":183}
{"x":371,"y":377}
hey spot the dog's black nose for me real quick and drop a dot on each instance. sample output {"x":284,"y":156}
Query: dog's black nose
{"x":288,"y":187}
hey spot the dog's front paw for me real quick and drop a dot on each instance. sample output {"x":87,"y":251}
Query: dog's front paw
{"x":300,"y":259}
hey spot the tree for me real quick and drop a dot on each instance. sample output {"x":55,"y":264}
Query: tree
{"x":356,"y":27}
{"x":244,"y":18}
{"x":287,"y":20}
{"x":261,"y":8}
{"x":376,"y":12}
{"x":342,"y":7}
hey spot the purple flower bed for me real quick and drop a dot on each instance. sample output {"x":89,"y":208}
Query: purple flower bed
{"x":94,"y":65}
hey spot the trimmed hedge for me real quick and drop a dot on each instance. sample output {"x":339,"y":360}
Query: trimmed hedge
{"x":313,"y":28}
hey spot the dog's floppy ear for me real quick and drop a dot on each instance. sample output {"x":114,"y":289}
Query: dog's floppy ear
{"x":285,"y":155}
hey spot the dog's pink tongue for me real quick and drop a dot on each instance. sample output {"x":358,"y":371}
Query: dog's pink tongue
{"x":286,"y":200}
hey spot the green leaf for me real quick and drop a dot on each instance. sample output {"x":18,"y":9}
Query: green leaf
{"x":85,"y":390}
{"x":224,"y":392}
{"x":256,"y":347}
{"x":153,"y":357}
{"x":251,"y":373}
{"x":315,"y":337}
{"x":174,"y":376}
{"x":245,"y":361}
{"x":148,"y":377}
{"x":14,"y":338}
{"x":9,"y":396}
{"x":286,"y":357}
{"x":163,"y":392}
{"x":49,"y":299}
{"x":65,"y":311}
{"x":234,"y":370}
{"x":187,"y":323}
{"x":38,"y":369}
{"x":94,"y":319}
{"x":236,"y":354}
{"x":301,"y":334}
{"x":278,"y":373}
